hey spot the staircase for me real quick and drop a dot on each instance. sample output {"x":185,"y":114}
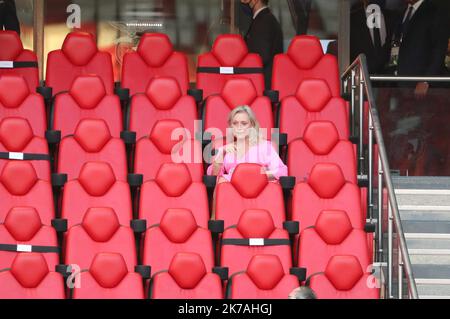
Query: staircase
{"x":424,"y":205}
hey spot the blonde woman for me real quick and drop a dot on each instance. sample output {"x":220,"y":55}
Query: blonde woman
{"x":246,"y":145}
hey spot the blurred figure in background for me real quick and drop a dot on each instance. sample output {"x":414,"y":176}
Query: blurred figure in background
{"x":8,"y":16}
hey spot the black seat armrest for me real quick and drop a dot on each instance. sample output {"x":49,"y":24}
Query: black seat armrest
{"x":292,"y":227}
{"x":143,"y":270}
{"x":60,"y":225}
{"x":196,"y":94}
{"x":135,"y":180}
{"x":58,"y":180}
{"x":128,"y":137}
{"x":287,"y":182}
{"x":45,"y":91}
{"x":122,"y":93}
{"x":138,"y":225}
{"x":300,"y":273}
{"x":53,"y":137}
{"x":273,"y":95}
{"x":216,"y":226}
{"x":222,"y":272}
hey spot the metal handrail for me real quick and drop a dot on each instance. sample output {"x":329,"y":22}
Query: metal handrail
{"x":361,"y":63}
{"x":384,"y":78}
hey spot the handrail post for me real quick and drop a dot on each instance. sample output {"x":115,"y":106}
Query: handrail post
{"x":400,"y":275}
{"x":380,"y":209}
{"x":361,"y":122}
{"x":370,"y":172}
{"x":352,"y":102}
{"x":390,"y":249}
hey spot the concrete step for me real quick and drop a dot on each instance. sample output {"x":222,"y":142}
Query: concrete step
{"x":410,"y":182}
{"x":427,"y":271}
{"x":433,"y":287}
{"x":424,"y":215}
{"x":428,"y":243}
{"x":426,"y":226}
{"x":423,"y":197}
{"x":430,"y":256}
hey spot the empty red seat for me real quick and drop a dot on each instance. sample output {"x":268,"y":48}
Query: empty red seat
{"x":30,"y":278}
{"x":23,"y":231}
{"x":333,"y":234}
{"x":236,"y":92}
{"x":19,"y":143}
{"x":87,"y":98}
{"x":173,"y":187}
{"x":228,"y":59}
{"x":326,"y":189}
{"x":100,"y":231}
{"x":177,"y":232}
{"x":321,"y":144}
{"x":154,"y":57}
{"x":20,"y":187}
{"x":264,"y":278}
{"x":109,"y":278}
{"x":168,"y":142}
{"x":343,"y":278}
{"x":304,"y":60}
{"x":254,"y":234}
{"x":96,"y":186}
{"x":15,"y":60}
{"x":92,"y":141}
{"x":186,"y":278}
{"x":249,"y":189}
{"x":16,"y":100}
{"x":312,"y":101}
{"x":78,"y":55}
{"x":163,"y":99}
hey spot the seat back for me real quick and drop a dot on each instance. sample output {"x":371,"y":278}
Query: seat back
{"x":186,"y":278}
{"x":78,"y":55}
{"x":19,"y":143}
{"x":162,"y":100}
{"x":92,"y":141}
{"x":321,"y":144}
{"x":177,"y":232}
{"x":229,"y":59}
{"x":87,"y":98}
{"x":264,"y":279}
{"x":154,"y":57}
{"x":255,"y":234}
{"x":249,"y":189}
{"x":15,"y":60}
{"x":304,"y":60}
{"x":16,"y":100}
{"x":173,"y":187}
{"x":96,"y":186}
{"x":312,"y":102}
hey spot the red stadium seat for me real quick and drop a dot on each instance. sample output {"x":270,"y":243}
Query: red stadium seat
{"x":100,"y":231}
{"x":255,"y":234}
{"x":92,"y":141}
{"x":326,"y":189}
{"x":163,"y":99}
{"x":30,"y":278}
{"x":154,"y":57}
{"x":304,"y":60}
{"x":168,"y":142}
{"x":79,"y":55}
{"x":177,"y":232}
{"x":343,"y":278}
{"x":19,"y":143}
{"x":173,"y":187}
{"x":20,"y":186}
{"x":333,"y":234}
{"x":23,"y":231}
{"x":237,"y":92}
{"x":249,"y":189}
{"x":87,"y":98}
{"x":15,"y":60}
{"x":109,"y":278}
{"x":16,"y":100}
{"x":186,"y":278}
{"x":312,"y":102}
{"x":264,"y":278}
{"x":228,"y":59}
{"x":96,"y":186}
{"x":321,"y":144}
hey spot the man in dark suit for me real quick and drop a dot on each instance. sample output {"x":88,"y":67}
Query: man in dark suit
{"x":264,"y":35}
{"x":370,"y":30}
{"x":8,"y":16}
{"x":423,"y":37}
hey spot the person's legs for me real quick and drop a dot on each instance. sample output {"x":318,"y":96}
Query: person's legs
{"x":213,"y":213}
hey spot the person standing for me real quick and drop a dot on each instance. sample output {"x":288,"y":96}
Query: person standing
{"x":264,"y":35}
{"x":8,"y":16}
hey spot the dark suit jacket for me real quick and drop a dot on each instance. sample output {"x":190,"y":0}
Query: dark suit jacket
{"x":265,"y":38}
{"x":8,"y":16}
{"x":424,"y":45}
{"x":361,"y":41}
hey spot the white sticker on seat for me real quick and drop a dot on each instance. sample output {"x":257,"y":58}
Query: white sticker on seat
{"x":6,"y":64}
{"x":24,"y":248}
{"x":256,"y":241}
{"x":16,"y":156}
{"x":226,"y":70}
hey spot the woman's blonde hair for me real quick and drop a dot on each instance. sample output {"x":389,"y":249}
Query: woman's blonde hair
{"x":254,"y":135}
